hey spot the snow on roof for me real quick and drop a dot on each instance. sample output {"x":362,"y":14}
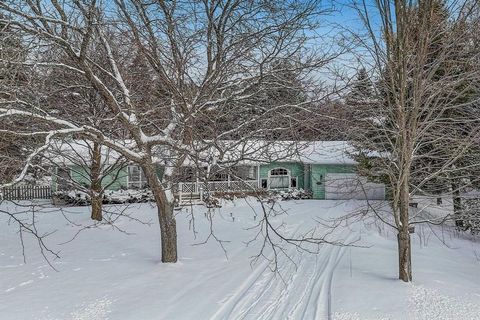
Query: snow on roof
{"x":77,"y":152}
{"x":261,"y":151}
{"x":234,"y":152}
{"x":327,"y":152}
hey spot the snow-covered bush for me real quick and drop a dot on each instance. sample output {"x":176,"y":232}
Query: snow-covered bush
{"x":291,"y":194}
{"x":73,"y":197}
{"x":470,"y":218}
{"x":80,"y":198}
{"x":212,"y":202}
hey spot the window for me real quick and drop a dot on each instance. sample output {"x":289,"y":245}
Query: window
{"x":279,"y":178}
{"x":264,"y":183}
{"x":293,"y":182}
{"x":136,"y":178}
{"x":245,"y":172}
{"x":219,"y":176}
{"x":279,"y":172}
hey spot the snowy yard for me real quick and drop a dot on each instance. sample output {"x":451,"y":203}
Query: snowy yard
{"x":108,"y":274}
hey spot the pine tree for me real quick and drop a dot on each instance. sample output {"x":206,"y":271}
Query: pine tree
{"x":362,"y":91}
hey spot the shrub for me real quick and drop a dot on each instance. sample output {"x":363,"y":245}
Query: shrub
{"x":470,"y":217}
{"x":81,"y":198}
{"x":291,"y":194}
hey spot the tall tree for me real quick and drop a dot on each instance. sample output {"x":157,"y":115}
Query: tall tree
{"x":417,"y":88}
{"x":206,"y":58}
{"x":361,"y":93}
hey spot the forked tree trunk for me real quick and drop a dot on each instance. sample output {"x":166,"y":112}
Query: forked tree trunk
{"x":166,"y":218}
{"x":403,"y":237}
{"x":96,"y":183}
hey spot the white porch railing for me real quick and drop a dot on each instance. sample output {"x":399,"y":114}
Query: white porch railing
{"x":200,"y":188}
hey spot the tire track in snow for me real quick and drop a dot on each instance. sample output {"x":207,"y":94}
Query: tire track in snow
{"x":317,"y":303}
{"x":237,"y":300}
{"x":269,"y":310}
{"x":324,"y":298}
{"x":310,"y":295}
{"x":305,"y":294}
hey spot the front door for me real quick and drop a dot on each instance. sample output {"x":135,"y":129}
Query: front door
{"x":318,"y":183}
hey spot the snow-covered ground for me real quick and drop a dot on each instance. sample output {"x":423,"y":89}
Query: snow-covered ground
{"x":107,"y":274}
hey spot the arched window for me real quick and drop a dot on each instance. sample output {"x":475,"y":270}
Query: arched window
{"x":279,"y":178}
{"x":279,"y":172}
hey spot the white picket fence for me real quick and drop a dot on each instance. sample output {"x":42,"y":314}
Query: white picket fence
{"x":200,"y":189}
{"x":26,"y":192}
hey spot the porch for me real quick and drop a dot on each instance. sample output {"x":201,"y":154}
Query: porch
{"x":191,"y":191}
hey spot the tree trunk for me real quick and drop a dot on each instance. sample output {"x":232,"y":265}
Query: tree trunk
{"x":168,"y":231}
{"x":404,"y":256}
{"x":457,"y":204}
{"x":96,"y":208}
{"x":165,"y":204}
{"x":96,"y":183}
{"x":403,"y":237}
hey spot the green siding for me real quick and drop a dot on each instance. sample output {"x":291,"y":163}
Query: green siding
{"x":159,"y":170}
{"x":118,"y":179}
{"x":296,"y":170}
{"x":317,"y":177}
{"x":313,"y":173}
{"x":115,"y":180}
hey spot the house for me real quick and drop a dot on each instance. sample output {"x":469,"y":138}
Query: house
{"x":322,"y":167}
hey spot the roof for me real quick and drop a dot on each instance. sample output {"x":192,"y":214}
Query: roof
{"x":226,"y":151}
{"x":327,"y":152}
{"x":309,"y":152}
{"x":76,"y":152}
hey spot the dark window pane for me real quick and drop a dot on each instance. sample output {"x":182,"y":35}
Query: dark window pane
{"x":264,"y":183}
{"x":279,"y":172}
{"x":293,"y":182}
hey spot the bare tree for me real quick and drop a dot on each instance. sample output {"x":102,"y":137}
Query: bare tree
{"x":208,"y":63}
{"x":84,"y":166}
{"x":409,"y":137}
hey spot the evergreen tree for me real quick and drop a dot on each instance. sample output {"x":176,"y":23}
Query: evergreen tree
{"x":362,"y":94}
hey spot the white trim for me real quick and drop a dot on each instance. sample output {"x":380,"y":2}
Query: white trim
{"x":140,"y":182}
{"x":289,"y":175}
{"x":128,"y":176}
{"x":259,"y":184}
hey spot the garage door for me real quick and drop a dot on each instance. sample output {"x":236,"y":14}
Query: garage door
{"x":343,"y":186}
